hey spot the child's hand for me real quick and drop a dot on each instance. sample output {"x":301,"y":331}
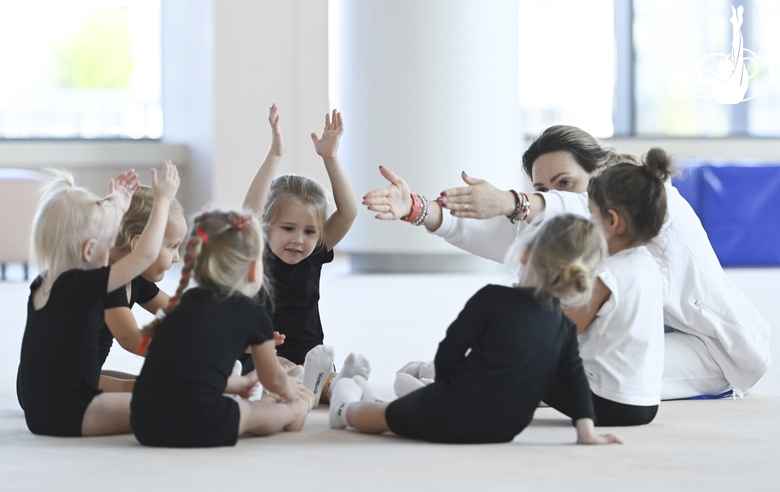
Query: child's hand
{"x":586,"y":434}
{"x":168,"y":183}
{"x":328,"y":145}
{"x":249,"y":385}
{"x":393,"y":201}
{"x":278,"y":338}
{"x":124,"y":185}
{"x":277,"y":142}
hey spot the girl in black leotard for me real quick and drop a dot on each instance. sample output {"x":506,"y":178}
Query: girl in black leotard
{"x":501,"y":354}
{"x":73,"y":230}
{"x":179,"y":397}
{"x":142,"y":290}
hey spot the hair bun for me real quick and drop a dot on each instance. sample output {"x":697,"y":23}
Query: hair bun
{"x":578,"y":276}
{"x":658,"y":162}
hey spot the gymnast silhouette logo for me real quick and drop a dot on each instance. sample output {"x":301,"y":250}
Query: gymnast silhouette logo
{"x":726,"y":77}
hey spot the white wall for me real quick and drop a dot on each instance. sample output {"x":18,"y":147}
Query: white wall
{"x":265,"y":52}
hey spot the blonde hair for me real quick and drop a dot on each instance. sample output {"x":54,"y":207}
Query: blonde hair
{"x":566,"y":253}
{"x":67,"y":216}
{"x":137,"y":216}
{"x":221,"y":248}
{"x":293,"y":188}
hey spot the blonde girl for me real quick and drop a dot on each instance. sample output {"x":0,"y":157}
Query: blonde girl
{"x":73,"y":231}
{"x":301,"y":237}
{"x":179,"y":397}
{"x":120,"y":322}
{"x":501,"y":354}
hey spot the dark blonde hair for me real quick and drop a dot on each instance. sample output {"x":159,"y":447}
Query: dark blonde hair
{"x":137,"y":216}
{"x":293,"y":188}
{"x":565,"y":256}
{"x":221,"y":248}
{"x":66,"y":217}
{"x":635,"y":192}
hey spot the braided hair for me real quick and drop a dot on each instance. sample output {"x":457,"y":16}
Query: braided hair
{"x":221,"y":248}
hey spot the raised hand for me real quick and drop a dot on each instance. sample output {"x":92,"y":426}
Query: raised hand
{"x":478,"y":200}
{"x":328,"y":145}
{"x":124,"y":185}
{"x":167,"y":184}
{"x":277,"y":141}
{"x":393,"y":201}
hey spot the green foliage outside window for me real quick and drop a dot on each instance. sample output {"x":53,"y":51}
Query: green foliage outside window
{"x":98,"y":55}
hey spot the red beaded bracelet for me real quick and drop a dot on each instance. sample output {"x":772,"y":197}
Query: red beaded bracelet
{"x":415,"y":212}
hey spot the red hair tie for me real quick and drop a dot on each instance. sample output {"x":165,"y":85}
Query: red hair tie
{"x":242,"y":222}
{"x":202,"y":235}
{"x":142,"y":346}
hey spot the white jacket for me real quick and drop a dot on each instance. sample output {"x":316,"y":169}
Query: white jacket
{"x":702,"y":300}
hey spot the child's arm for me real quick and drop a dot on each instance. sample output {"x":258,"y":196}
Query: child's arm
{"x":124,"y":327}
{"x":243,"y":386}
{"x":122,"y":324}
{"x":158,"y":302}
{"x":587,"y":435}
{"x":583,"y":316}
{"x":148,"y":248}
{"x":346,"y":203}
{"x":272,"y":376}
{"x":257,"y":193}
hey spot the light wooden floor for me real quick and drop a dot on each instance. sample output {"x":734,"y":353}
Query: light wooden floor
{"x":692,"y":445}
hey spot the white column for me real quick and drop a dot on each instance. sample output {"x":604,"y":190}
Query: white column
{"x":264,"y":52}
{"x":428,"y":88}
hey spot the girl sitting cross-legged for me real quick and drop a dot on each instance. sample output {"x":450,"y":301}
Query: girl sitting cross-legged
{"x":179,"y":398}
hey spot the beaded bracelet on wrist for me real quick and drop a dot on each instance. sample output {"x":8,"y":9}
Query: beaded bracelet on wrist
{"x":525,"y":209}
{"x":423,"y":211}
{"x":513,"y":218}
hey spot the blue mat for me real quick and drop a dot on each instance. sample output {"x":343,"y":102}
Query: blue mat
{"x":739,"y":207}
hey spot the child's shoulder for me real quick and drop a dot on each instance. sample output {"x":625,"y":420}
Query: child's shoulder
{"x":493,"y":293}
{"x":80,"y":278}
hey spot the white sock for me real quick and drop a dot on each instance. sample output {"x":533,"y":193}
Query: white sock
{"x":405,"y":384}
{"x":316,"y":367}
{"x":238,"y":368}
{"x":412,"y":368}
{"x":368,"y":392}
{"x":345,"y":392}
{"x":427,"y":371}
{"x":354,"y":365}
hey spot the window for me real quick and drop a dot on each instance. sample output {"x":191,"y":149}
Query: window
{"x":679,"y":46}
{"x":640,"y":67}
{"x":80,"y":69}
{"x":566,"y":64}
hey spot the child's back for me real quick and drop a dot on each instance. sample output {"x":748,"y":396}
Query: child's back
{"x":59,"y":352}
{"x":183,"y":380}
{"x":517,"y":348}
